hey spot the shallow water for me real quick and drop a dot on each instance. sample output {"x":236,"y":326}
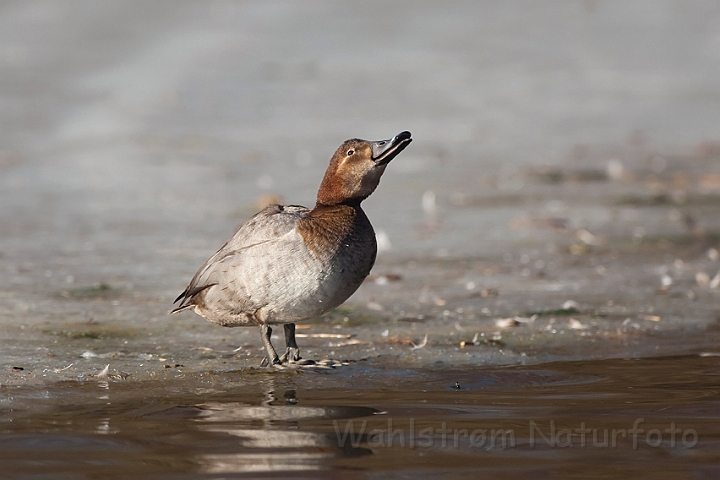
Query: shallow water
{"x":640,"y":418}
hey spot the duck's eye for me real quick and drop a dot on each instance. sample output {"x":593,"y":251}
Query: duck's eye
{"x":350,"y":152}
{"x":381,"y":143}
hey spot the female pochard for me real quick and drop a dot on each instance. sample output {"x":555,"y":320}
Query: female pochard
{"x":289,"y":263}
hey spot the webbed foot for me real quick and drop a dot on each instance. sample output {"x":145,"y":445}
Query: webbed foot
{"x":292,"y":352}
{"x":291,"y":355}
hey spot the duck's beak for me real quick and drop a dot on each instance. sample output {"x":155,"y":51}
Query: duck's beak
{"x":385,"y":150}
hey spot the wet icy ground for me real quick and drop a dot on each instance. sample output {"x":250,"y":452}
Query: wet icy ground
{"x":559,"y":201}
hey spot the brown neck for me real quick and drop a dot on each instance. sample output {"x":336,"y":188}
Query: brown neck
{"x":349,"y":202}
{"x":333,"y":191}
{"x":326,"y":227}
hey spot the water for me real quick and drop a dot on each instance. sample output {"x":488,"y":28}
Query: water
{"x":616,"y":418}
{"x":549,"y":241}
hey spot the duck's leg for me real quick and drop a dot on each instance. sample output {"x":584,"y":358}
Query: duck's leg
{"x":272,"y":356}
{"x":292,"y":352}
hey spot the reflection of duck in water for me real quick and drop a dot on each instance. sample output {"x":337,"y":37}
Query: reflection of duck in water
{"x":289,"y":263}
{"x":269,"y":438}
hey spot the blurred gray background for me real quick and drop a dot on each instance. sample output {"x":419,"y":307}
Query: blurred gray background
{"x":167,"y":113}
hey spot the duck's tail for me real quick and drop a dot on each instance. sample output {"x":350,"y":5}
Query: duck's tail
{"x":180,"y":309}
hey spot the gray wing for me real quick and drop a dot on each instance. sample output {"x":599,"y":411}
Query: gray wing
{"x":268,"y":225}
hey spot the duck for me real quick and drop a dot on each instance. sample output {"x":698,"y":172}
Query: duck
{"x":289,"y":263}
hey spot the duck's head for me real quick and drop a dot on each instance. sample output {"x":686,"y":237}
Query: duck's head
{"x":356,"y":168}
